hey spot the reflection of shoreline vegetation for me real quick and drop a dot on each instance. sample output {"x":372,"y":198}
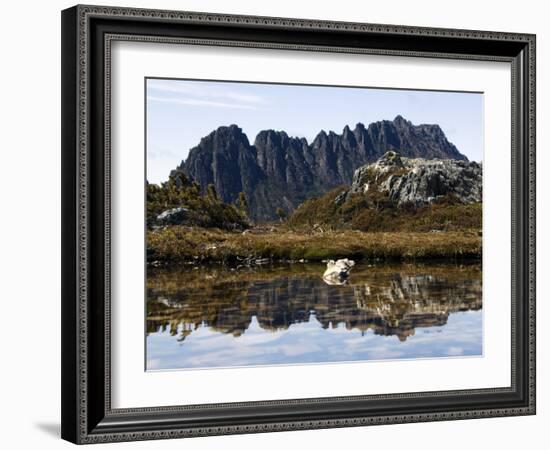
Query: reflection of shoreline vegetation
{"x":390,"y":299}
{"x":173,"y":279}
{"x":180,"y":244}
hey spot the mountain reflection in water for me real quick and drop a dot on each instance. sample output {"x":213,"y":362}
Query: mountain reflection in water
{"x":286,"y":314}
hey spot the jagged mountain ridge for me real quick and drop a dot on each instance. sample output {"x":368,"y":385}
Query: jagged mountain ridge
{"x":280,"y":171}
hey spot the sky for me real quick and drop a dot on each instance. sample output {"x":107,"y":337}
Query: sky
{"x":307,"y":342}
{"x":181,"y":112}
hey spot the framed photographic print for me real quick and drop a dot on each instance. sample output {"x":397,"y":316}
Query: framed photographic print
{"x":279,"y":224}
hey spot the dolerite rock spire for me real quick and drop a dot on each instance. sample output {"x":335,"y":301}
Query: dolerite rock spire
{"x":225,"y":159}
{"x":280,"y":171}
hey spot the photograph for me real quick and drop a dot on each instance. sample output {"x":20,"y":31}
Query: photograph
{"x":293,"y":224}
{"x":279,"y":220}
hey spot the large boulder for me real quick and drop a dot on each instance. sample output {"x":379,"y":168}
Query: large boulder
{"x":174,"y":216}
{"x":419,"y":181}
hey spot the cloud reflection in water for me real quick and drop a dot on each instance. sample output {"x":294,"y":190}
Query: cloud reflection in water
{"x":288,"y":315}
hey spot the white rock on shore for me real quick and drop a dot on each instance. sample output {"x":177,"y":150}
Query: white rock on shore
{"x":337,"y":272}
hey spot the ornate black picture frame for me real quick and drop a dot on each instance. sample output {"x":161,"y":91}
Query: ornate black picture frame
{"x":87,"y":34}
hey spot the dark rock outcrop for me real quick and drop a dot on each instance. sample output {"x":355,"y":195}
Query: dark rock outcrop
{"x":418,"y":181}
{"x":279,"y":171}
{"x":225,"y":159}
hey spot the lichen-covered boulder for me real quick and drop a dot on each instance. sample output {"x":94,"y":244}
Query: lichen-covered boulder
{"x":174,"y":216}
{"x":419,"y":181}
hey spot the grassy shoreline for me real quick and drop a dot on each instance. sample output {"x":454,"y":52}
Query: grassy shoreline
{"x":180,"y":244}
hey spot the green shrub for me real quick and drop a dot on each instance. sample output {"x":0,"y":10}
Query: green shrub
{"x":205,"y":211}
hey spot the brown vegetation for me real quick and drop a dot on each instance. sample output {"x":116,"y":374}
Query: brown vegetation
{"x":373,"y":212}
{"x":191,"y":244}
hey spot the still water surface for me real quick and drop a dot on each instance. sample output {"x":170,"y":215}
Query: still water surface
{"x":286,"y":314}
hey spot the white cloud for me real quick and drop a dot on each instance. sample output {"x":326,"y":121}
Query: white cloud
{"x":196,"y":102}
{"x":156,"y":152}
{"x":153,"y":364}
{"x":455,"y":351}
{"x":197,"y":93}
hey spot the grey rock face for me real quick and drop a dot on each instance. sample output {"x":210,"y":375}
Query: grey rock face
{"x":225,"y":159}
{"x":279,"y":171}
{"x":419,"y":181}
{"x":174,"y":216}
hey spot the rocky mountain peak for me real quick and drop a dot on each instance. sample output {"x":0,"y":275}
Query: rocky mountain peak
{"x":279,"y":171}
{"x":223,"y":136}
{"x":321,"y":137}
{"x":348,"y":138}
{"x":400,"y":121}
{"x":271,"y":138}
